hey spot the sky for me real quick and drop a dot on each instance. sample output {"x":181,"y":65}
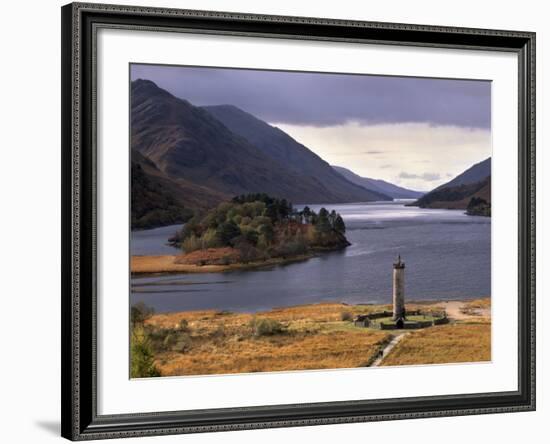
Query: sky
{"x":414,"y":132}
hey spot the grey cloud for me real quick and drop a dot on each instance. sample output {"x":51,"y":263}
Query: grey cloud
{"x":328,"y":99}
{"x":429,"y":177}
{"x":373,"y":152}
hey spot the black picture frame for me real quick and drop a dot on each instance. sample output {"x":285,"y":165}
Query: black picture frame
{"x":80,"y":420}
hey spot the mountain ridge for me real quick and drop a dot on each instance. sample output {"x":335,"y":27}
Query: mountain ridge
{"x":382,"y":186}
{"x":188,"y":143}
{"x":281,"y":147}
{"x":468,"y":190}
{"x":476,"y":173}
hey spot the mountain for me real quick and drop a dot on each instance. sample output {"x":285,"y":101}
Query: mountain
{"x":381,"y":186}
{"x":151,"y":203}
{"x":295,"y":157}
{"x":188,"y":143}
{"x":469,"y":190}
{"x":475,"y":173}
{"x":158,"y":200}
{"x":456,"y":197}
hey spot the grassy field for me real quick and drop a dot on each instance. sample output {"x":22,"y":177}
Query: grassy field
{"x":459,"y":342}
{"x":466,"y":339}
{"x":318,"y":336}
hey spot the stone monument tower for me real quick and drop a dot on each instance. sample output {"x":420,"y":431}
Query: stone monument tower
{"x":399,"y":291}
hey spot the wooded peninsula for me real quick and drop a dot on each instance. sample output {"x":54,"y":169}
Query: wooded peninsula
{"x":250,"y":230}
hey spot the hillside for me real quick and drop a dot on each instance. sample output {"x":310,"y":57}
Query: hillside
{"x":457,"y":197}
{"x":282,"y":148}
{"x":469,"y":190}
{"x":466,"y":191}
{"x":158,"y":200}
{"x":378,"y":185}
{"x":475,"y":173}
{"x":187,"y":143}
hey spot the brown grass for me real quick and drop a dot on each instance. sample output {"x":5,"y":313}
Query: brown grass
{"x":315,"y":337}
{"x":477,"y":307}
{"x":460,"y":342}
{"x":213,"y":256}
{"x":176,"y":264}
{"x":233,"y":354}
{"x":478,"y":303}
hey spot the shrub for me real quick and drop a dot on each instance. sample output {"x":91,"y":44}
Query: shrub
{"x":250,"y":235}
{"x":293,"y":247}
{"x":346,"y":316}
{"x":259,"y":221}
{"x":182,"y":343}
{"x":140,"y":312}
{"x":169,"y":341}
{"x":219,"y":332}
{"x":266,"y":327}
{"x":142,"y":363}
{"x":247,"y":251}
{"x":225,"y":260}
{"x":245,"y":220}
{"x":183,"y":325}
{"x":210,"y":239}
{"x":192,"y":243}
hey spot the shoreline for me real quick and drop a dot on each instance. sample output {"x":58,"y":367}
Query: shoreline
{"x":165,"y":264}
{"x":478,"y":307}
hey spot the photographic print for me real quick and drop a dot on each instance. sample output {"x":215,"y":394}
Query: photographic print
{"x":290,"y":221}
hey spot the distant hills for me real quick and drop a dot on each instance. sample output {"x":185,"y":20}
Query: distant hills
{"x":381,"y":186}
{"x":470,"y":190}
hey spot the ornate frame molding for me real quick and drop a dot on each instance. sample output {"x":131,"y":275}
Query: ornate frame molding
{"x":80,"y":22}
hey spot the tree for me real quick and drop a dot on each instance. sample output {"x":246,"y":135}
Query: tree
{"x":332,"y":218}
{"x":339,"y":224}
{"x":227,"y":231}
{"x":266,"y":230}
{"x":285,"y":208}
{"x":306,"y":212}
{"x":251,"y":236}
{"x":323,"y":224}
{"x":272,"y":212}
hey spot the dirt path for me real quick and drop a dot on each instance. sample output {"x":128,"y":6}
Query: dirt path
{"x":454,"y":311}
{"x":386,"y":350}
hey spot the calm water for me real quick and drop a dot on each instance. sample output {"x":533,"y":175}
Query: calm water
{"x":154,"y":242}
{"x":447,"y":255}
